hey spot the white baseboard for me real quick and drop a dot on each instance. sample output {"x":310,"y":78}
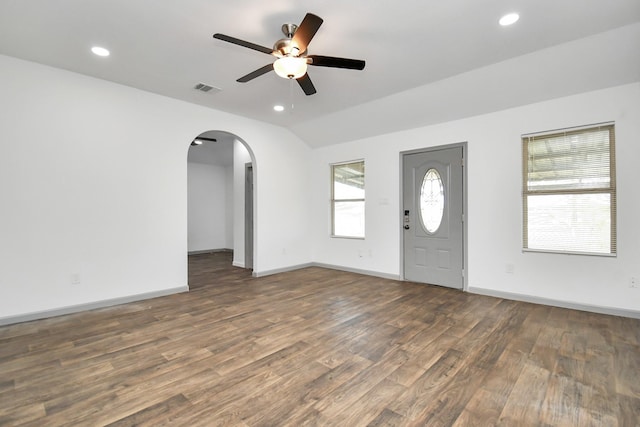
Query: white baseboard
{"x":358,"y":271}
{"x":209,"y":251}
{"x":474,"y":290}
{"x":280,"y":270}
{"x":556,"y":303}
{"x":480,"y":291}
{"x":328,"y":266}
{"x":89,"y":306}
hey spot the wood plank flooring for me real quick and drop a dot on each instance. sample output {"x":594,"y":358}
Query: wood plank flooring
{"x":318,"y":347}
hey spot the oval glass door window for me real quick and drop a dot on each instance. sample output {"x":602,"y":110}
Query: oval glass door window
{"x":432,"y":201}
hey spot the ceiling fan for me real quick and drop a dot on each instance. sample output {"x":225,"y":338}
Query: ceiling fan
{"x":291,"y":52}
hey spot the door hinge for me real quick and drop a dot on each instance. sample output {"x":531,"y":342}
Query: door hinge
{"x":463,"y":274}
{"x":462,"y":162}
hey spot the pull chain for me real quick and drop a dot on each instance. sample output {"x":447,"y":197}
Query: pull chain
{"x":291,"y":93}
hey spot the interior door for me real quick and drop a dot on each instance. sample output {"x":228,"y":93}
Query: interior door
{"x":433,"y":217}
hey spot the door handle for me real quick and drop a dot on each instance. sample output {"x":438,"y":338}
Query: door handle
{"x":406,"y":226}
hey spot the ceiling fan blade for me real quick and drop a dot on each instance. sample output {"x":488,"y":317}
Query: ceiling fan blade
{"x":306,"y":30}
{"x":331,"y":61}
{"x":243,"y":43}
{"x":306,"y":84}
{"x":257,"y":73}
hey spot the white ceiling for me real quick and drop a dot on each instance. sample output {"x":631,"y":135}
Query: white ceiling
{"x":414,"y":50}
{"x":217,"y":153}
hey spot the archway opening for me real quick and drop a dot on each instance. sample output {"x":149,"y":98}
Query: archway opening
{"x":220,"y":203}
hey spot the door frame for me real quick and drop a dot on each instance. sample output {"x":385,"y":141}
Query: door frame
{"x":248,"y":215}
{"x":465,"y":210}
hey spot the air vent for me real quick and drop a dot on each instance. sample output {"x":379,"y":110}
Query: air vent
{"x":202,"y":87}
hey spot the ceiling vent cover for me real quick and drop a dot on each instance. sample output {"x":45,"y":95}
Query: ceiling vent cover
{"x":203,"y":87}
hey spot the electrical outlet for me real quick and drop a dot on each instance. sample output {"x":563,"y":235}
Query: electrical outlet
{"x":510,"y":268}
{"x":75,"y":279}
{"x":633,"y":282}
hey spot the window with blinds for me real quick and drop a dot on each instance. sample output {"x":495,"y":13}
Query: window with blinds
{"x":569,"y":191}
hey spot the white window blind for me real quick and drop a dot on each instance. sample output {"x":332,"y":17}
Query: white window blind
{"x":569,"y":191}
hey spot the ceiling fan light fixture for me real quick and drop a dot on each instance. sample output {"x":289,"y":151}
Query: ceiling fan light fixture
{"x":290,"y":67}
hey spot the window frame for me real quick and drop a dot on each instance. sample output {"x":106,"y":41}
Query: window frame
{"x":610,"y":190}
{"x":334,"y":200}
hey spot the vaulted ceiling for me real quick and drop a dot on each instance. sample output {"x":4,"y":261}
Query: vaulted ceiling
{"x":426,"y":61}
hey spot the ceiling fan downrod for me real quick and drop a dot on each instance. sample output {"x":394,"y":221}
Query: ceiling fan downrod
{"x":289,"y":29}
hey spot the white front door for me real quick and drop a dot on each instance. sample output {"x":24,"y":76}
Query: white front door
{"x":433,"y":217}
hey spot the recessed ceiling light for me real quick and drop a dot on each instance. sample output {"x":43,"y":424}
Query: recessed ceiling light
{"x":278,"y":108}
{"x":100,"y":51}
{"x":509,"y":19}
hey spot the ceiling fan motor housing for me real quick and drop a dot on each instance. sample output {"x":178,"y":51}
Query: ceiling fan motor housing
{"x":286,"y":47}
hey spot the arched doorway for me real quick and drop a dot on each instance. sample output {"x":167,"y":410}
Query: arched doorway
{"x":220,"y":198}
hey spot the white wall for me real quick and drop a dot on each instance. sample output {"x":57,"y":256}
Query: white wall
{"x":494,"y":205}
{"x":93,"y":186}
{"x":208,"y":208}
{"x":93,"y":183}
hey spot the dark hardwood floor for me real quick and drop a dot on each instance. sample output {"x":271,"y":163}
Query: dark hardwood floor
{"x":321,"y":348}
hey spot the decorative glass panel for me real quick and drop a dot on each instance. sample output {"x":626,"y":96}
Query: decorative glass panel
{"x":432,"y":201}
